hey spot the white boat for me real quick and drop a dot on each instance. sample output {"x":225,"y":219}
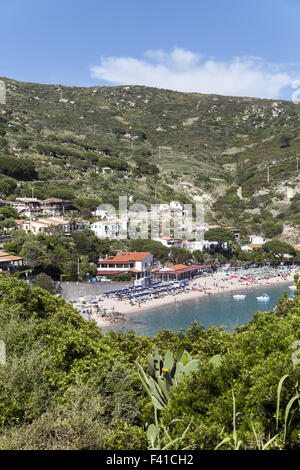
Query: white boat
{"x":239,"y":297}
{"x":293,"y":287}
{"x":263,"y":298}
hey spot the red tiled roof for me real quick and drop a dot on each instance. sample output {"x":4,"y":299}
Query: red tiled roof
{"x":4,"y":259}
{"x":176,"y":267}
{"x":183,"y":270}
{"x":127,"y":256}
{"x":110,"y":261}
{"x":109,"y":273}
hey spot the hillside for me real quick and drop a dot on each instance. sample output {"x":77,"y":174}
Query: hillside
{"x":160,"y":145}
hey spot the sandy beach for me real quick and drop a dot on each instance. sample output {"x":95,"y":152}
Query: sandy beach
{"x":212,"y":284}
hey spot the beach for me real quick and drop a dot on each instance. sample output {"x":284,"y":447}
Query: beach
{"x":203,"y":286}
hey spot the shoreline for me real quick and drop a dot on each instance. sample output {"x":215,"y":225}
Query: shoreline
{"x":209,"y":283}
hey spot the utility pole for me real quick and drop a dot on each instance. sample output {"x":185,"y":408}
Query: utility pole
{"x":78,"y":267}
{"x":268,"y":174}
{"x":297,"y":159}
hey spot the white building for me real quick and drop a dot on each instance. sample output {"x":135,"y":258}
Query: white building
{"x":197,"y":245}
{"x":109,"y":228}
{"x":257,"y":240}
{"x":55,"y":225}
{"x":169,"y":242}
{"x":176,"y":206}
{"x":138,"y":264}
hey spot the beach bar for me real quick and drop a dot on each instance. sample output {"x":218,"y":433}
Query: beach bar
{"x":180,"y":272}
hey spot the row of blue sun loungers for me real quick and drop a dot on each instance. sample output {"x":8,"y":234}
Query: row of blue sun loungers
{"x":155,"y":290}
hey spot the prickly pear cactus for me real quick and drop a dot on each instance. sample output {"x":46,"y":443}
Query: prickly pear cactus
{"x":167,"y":372}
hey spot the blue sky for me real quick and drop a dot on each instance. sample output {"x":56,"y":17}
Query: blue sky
{"x":231,"y":47}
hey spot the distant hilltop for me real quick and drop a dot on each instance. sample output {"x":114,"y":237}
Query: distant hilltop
{"x":239,"y":156}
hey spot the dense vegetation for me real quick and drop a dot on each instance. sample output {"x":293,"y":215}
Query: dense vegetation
{"x":66,"y":385}
{"x":75,"y":257}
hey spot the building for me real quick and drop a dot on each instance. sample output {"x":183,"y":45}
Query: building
{"x":252,"y":246}
{"x":169,"y":242}
{"x":26,"y":205}
{"x":9,"y":262}
{"x":110,"y":228}
{"x":180,"y":272}
{"x":4,"y":203}
{"x":175,"y":208}
{"x":137,"y":264}
{"x":196,"y":245}
{"x":31,"y":206}
{"x":53,"y":225}
{"x":101,"y":213}
{"x":77,"y":225}
{"x":53,"y":206}
{"x":205,"y":227}
{"x":256,"y":241}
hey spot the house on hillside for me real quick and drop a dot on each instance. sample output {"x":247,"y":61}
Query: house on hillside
{"x":256,"y":241}
{"x":110,"y":228}
{"x":53,"y":225}
{"x":205,"y":227}
{"x":4,"y":203}
{"x":101,"y":213}
{"x":53,"y":206}
{"x":196,"y":245}
{"x":26,"y":205}
{"x":76,"y":225}
{"x":169,"y":242}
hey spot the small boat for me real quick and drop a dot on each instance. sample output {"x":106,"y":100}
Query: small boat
{"x":263,"y":298}
{"x":293,"y":287}
{"x":239,"y":297}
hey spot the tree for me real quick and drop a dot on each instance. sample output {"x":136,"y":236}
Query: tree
{"x":285,"y":140}
{"x":157,"y":249}
{"x":198,"y":256}
{"x":35,"y":254}
{"x":44,"y":281}
{"x":180,"y":255}
{"x":271,"y":230}
{"x":7,"y":212}
{"x":219,"y":235}
{"x":278,"y":249}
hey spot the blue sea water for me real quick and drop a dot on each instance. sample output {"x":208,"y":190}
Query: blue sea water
{"x":215,"y":310}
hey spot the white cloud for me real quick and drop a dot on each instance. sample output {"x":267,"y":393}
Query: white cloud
{"x":184,"y":70}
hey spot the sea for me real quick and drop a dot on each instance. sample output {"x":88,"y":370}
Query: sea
{"x":216,"y":310}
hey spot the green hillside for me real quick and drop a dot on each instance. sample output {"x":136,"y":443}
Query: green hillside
{"x":161,"y":145}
